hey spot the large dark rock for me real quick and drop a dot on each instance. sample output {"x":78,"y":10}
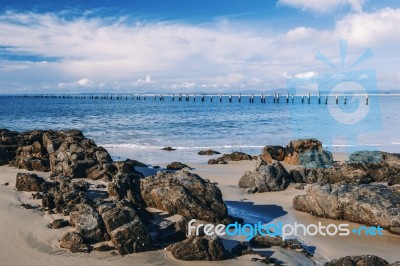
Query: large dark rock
{"x":204,"y":248}
{"x":234,"y":156}
{"x":8,"y":146}
{"x":29,"y":182}
{"x":184,"y":193}
{"x":366,"y":260}
{"x":307,"y":152}
{"x":74,"y":242}
{"x":270,"y":153}
{"x":87,"y":222}
{"x":127,"y":230}
{"x":173,"y":231}
{"x":266,"y":177}
{"x":370,"y":204}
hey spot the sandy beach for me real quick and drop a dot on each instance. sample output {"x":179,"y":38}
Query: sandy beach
{"x":27,"y":239}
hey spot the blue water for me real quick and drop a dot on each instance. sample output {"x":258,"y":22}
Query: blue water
{"x":133,"y":128}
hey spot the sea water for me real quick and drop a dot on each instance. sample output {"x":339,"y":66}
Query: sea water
{"x":138,"y":129}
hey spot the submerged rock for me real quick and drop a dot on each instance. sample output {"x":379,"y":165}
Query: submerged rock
{"x":267,"y":177}
{"x":370,"y":204}
{"x":168,"y":149}
{"x":204,"y":248}
{"x":184,"y":193}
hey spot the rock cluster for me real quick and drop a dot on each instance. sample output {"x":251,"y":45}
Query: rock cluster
{"x":176,"y":166}
{"x":66,"y":153}
{"x":358,"y":260}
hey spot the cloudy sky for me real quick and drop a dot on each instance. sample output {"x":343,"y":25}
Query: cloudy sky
{"x":188,"y":46}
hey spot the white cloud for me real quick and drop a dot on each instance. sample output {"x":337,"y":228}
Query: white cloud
{"x":323,"y":6}
{"x":84,"y":82}
{"x":306,"y":75}
{"x":145,"y":81}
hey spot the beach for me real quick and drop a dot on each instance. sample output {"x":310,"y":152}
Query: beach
{"x":27,"y":238}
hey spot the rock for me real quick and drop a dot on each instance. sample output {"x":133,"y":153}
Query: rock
{"x":370,"y":204}
{"x":101,"y":186}
{"x":101,"y":247}
{"x":8,"y":146}
{"x":241,"y":249}
{"x":5,"y":184}
{"x":270,"y":153}
{"x":29,"y":182}
{"x":126,"y":186}
{"x":127,"y":230}
{"x":268,"y":177}
{"x":299,"y":187}
{"x":172,"y":231}
{"x":366,"y":260}
{"x":87,"y":222}
{"x":208,"y":152}
{"x":184,"y":193}
{"x":80,"y":185}
{"x":29,"y":206}
{"x":136,"y":163}
{"x":307,"y":152}
{"x":276,"y":241}
{"x":176,"y":166}
{"x":168,"y":149}
{"x":74,"y":242}
{"x":59,"y":223}
{"x":204,"y":248}
{"x":217,"y":161}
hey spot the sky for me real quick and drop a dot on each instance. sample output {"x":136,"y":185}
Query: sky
{"x":173,"y":46}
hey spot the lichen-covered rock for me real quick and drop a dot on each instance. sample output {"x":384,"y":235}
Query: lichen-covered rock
{"x":370,"y":204}
{"x":206,"y":248}
{"x":29,"y":182}
{"x":127,"y":230}
{"x":266,"y":177}
{"x":307,"y":152}
{"x":184,"y":193}
{"x":366,"y":260}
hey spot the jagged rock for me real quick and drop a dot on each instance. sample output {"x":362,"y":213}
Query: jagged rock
{"x":62,"y":197}
{"x":208,"y":152}
{"x":366,"y":260}
{"x":307,"y":152}
{"x":268,"y":177}
{"x":136,"y":163}
{"x":29,"y":182}
{"x":59,"y":223}
{"x":172,"y":231}
{"x":87,"y":222}
{"x":204,"y":248}
{"x":270,"y":153}
{"x":127,"y":231}
{"x":126,"y":186}
{"x":241,"y":249}
{"x":74,"y":242}
{"x":101,"y":247}
{"x":184,"y":193}
{"x":234,"y":156}
{"x":176,"y":166}
{"x":370,"y":204}
{"x":8,"y":146}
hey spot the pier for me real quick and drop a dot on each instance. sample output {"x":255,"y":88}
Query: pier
{"x":187,"y":97}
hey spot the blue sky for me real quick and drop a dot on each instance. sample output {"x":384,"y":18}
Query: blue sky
{"x":171,"y":46}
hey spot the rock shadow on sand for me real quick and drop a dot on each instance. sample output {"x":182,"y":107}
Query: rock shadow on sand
{"x":254,"y":213}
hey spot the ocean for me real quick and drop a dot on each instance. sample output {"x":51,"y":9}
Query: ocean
{"x":138,"y":129}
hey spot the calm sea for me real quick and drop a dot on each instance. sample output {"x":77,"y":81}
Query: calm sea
{"x":140,"y":128}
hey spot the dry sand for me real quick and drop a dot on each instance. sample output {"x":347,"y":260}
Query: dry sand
{"x":27,"y":239}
